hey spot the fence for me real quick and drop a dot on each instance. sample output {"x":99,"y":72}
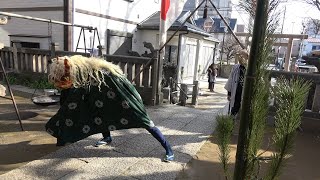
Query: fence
{"x":313,"y":101}
{"x":22,"y":60}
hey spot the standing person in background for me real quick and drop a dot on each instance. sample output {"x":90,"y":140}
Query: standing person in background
{"x":212,"y":75}
{"x":235,"y":83}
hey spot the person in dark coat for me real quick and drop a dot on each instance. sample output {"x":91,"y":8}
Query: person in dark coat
{"x":212,"y":75}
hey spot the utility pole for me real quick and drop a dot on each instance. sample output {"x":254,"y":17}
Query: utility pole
{"x":284,"y":17}
{"x":222,"y":47}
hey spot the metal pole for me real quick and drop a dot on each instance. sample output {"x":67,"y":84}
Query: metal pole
{"x":43,"y":20}
{"x":259,"y":31}
{"x":221,"y":53}
{"x":229,"y":28}
{"x":11,"y":94}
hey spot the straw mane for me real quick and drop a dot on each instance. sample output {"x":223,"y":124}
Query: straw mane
{"x":83,"y":71}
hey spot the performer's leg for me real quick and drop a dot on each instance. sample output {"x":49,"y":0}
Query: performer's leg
{"x":211,"y":87}
{"x":105,"y":140}
{"x":156,"y":133}
{"x":60,"y":142}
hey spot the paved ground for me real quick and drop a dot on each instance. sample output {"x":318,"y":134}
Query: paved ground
{"x":134,"y":154}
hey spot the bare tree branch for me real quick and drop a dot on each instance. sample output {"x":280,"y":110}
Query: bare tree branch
{"x":315,"y":3}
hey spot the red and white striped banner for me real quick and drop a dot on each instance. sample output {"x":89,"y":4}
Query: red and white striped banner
{"x":170,"y":11}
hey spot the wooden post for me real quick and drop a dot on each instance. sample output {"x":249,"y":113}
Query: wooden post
{"x":183,"y":94}
{"x":154,"y":80}
{"x":100,"y":51}
{"x":196,"y":63}
{"x":53,"y":50}
{"x":10,"y":91}
{"x":15,"y":58}
{"x":316,"y":99}
{"x":288,"y":55}
{"x":195,"y":93}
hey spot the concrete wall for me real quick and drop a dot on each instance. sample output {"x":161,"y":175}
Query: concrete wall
{"x":118,"y":15}
{"x":36,"y":8}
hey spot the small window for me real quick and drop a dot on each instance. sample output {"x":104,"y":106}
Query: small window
{"x":222,"y":24}
{"x":314,"y":47}
{"x":26,"y":44}
{"x":30,"y":45}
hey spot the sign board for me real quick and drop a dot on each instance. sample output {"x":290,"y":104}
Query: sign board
{"x":207,"y":24}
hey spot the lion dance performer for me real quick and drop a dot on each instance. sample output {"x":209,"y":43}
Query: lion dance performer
{"x":96,"y":97}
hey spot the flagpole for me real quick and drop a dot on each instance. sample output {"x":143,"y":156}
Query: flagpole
{"x":162,"y":41}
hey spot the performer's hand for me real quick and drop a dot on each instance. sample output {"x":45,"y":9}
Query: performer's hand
{"x":229,"y":98}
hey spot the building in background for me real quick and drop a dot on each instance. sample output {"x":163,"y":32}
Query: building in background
{"x":116,"y":21}
{"x":190,"y":51}
{"x":224,"y":6}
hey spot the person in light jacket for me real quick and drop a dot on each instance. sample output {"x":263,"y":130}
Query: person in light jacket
{"x":235,"y":83}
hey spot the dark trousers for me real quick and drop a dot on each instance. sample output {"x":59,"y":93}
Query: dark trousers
{"x":211,"y":86}
{"x":156,"y":133}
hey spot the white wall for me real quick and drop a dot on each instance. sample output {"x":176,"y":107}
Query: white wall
{"x":307,"y":48}
{"x":29,"y":3}
{"x":152,"y":37}
{"x":22,"y":26}
{"x":135,"y":12}
{"x":188,"y":57}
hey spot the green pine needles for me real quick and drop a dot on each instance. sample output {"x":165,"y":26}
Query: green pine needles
{"x":223,"y":132}
{"x":290,"y":97}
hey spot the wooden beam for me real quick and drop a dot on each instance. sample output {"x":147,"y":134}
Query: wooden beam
{"x":280,"y":44}
{"x":288,"y":55}
{"x":293,"y":36}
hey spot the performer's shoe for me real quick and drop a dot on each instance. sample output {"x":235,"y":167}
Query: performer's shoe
{"x":168,"y":158}
{"x":103,"y":141}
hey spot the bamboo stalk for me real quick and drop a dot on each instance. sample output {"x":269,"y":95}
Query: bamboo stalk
{"x":259,"y":31}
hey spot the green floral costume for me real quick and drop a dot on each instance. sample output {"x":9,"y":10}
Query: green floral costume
{"x":86,"y":111}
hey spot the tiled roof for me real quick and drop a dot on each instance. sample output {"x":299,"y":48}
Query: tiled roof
{"x":216,"y":28}
{"x":152,"y":23}
{"x":313,"y":40}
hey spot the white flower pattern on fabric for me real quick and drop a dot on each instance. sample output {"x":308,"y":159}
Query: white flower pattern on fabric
{"x":112,"y":128}
{"x":98,"y":121}
{"x":124,"y":121}
{"x":50,"y":131}
{"x":69,"y":122}
{"x":99,"y":103}
{"x":58,"y":123}
{"x":85,"y":129}
{"x":72,"y":105}
{"x":125,"y":104}
{"x":111,"y":94}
